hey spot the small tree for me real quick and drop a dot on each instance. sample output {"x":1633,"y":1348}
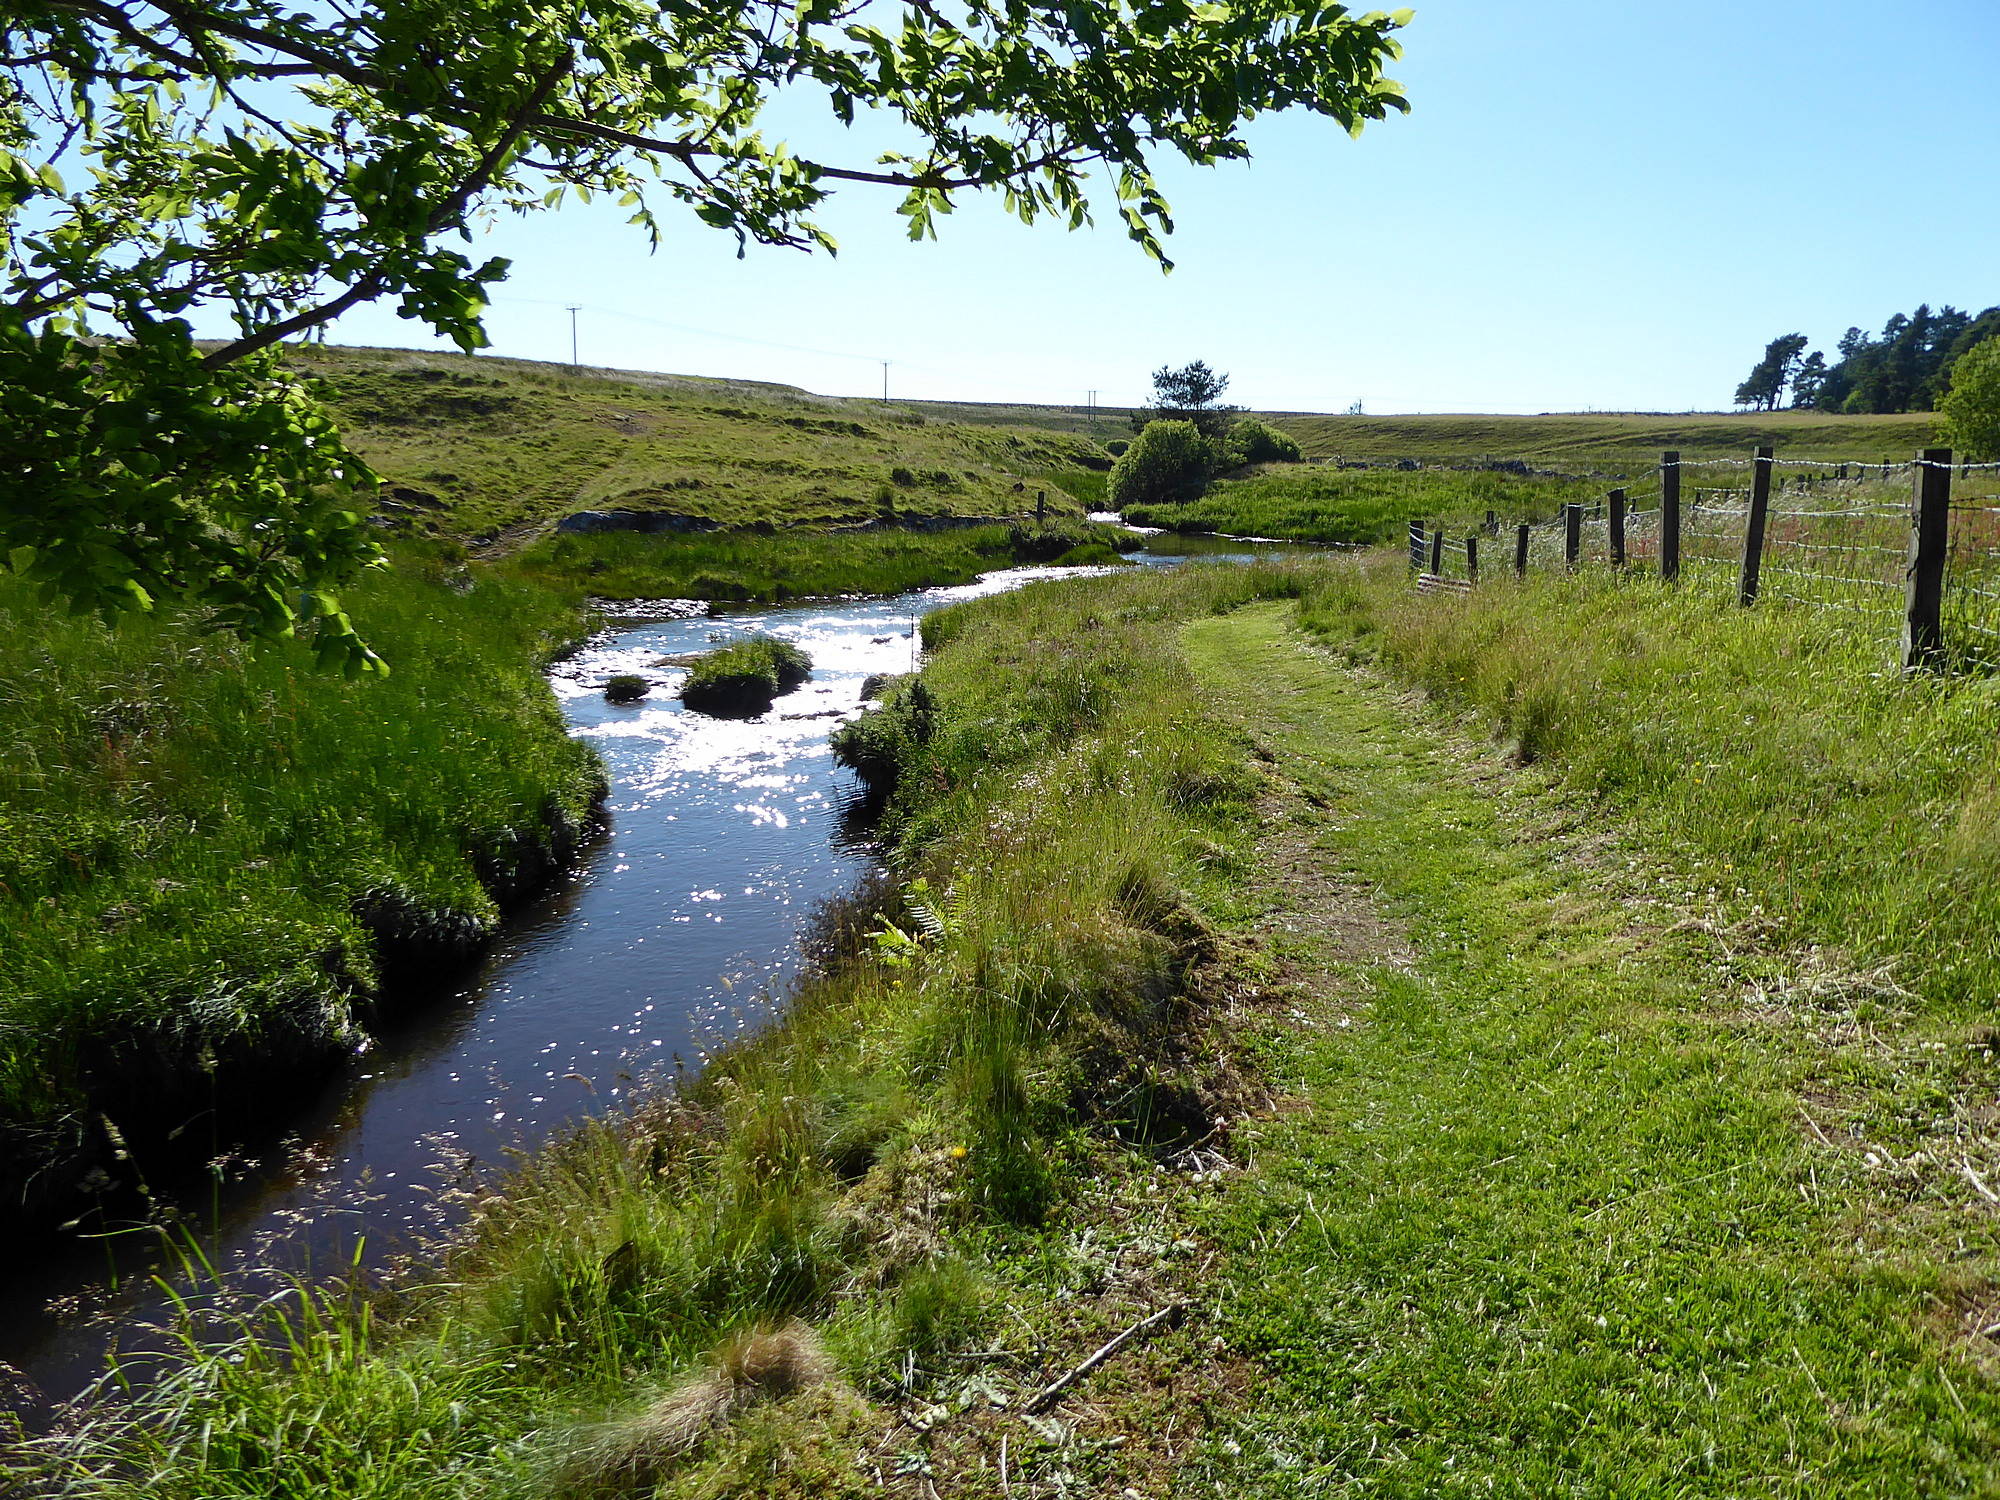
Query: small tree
{"x":1193,"y":393}
{"x":1255,"y":442}
{"x":1168,"y":461}
{"x":1971,"y":409}
{"x":1765,"y":385}
{"x":1809,"y":379}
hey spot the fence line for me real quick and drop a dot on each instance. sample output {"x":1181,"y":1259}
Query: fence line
{"x":1924,"y":573}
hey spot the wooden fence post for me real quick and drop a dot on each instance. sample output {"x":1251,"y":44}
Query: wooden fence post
{"x":1617,"y":529}
{"x":1472,"y":559}
{"x":1492,"y":524}
{"x":1670,"y":515}
{"x":1572,"y":533}
{"x":1753,"y":532}
{"x":1437,"y":552}
{"x":1521,"y":535}
{"x":1930,"y":543}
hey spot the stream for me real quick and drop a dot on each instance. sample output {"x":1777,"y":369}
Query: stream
{"x":675,"y":932}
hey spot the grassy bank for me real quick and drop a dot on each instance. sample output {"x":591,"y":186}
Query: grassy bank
{"x":1769,"y":750}
{"x":211,"y":850}
{"x":798,"y":563}
{"x":1312,"y":504}
{"x":482,"y":448}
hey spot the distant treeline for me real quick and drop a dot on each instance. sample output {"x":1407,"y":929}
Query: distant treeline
{"x":1907,"y":367}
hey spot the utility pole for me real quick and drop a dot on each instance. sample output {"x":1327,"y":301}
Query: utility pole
{"x":574,"y":367}
{"x":885,"y":382}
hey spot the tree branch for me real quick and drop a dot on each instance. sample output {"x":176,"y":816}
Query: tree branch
{"x":376,"y":282}
{"x":687,"y":152}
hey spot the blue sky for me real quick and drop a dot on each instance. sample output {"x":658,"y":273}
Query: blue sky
{"x":1590,"y":206}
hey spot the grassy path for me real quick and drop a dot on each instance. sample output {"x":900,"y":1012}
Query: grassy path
{"x":1543,"y":1216}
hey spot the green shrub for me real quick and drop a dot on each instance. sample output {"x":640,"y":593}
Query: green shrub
{"x":626,"y":687}
{"x":745,"y":677}
{"x":1972,"y":409}
{"x":1253,"y":442}
{"x":1116,"y":447}
{"x":1169,"y":461}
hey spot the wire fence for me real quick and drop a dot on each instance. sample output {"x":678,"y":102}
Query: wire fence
{"x":1905,"y":551}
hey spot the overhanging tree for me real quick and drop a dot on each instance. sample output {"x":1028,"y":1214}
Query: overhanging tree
{"x":290,"y":163}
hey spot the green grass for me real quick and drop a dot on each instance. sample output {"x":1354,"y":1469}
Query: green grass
{"x":1771,"y":749}
{"x":795,"y":563}
{"x":484,"y":448}
{"x":1611,"y":443}
{"x":204,"y":844}
{"x":1544,"y":1217}
{"x":1547,"y":1010}
{"x":930,"y":1097}
{"x":1310,"y":503}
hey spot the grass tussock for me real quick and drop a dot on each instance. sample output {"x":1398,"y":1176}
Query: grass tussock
{"x":635,"y":1454}
{"x":746,"y":676}
{"x":1361,"y":506}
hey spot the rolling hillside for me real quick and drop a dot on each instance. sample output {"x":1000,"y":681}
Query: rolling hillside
{"x":478,"y":448}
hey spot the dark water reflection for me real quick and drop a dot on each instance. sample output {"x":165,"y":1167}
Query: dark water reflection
{"x":678,"y":931}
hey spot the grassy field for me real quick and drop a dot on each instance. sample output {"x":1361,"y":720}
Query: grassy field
{"x":1311,"y":503}
{"x":1609,"y":443}
{"x":210,"y":849}
{"x":1550,"y":1088}
{"x":484,"y":448}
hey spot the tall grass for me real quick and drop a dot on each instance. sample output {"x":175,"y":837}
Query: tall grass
{"x":1319,"y":504}
{"x":1777,"y":752}
{"x":207,"y":848}
{"x":794,"y":563}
